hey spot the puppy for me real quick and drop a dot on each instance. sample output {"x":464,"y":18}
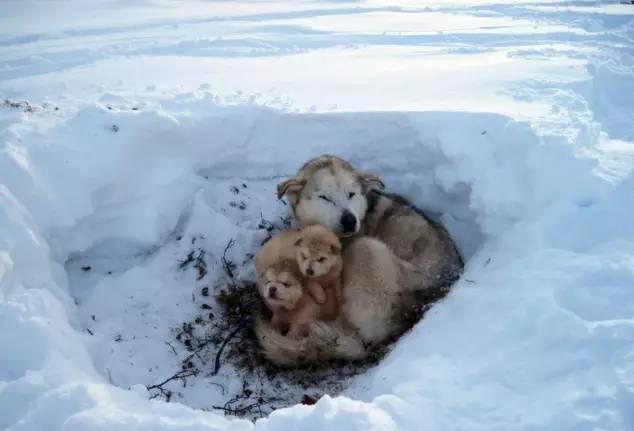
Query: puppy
{"x":318,"y":254}
{"x":281,"y":248}
{"x":285,"y":291}
{"x":374,"y":309}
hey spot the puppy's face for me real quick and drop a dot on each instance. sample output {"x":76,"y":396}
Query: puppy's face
{"x":280,"y":287}
{"x":318,"y":250}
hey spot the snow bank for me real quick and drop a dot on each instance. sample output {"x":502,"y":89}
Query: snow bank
{"x":532,"y":336}
{"x":134,"y":134}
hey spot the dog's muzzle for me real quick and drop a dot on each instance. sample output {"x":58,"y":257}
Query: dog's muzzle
{"x":348,"y":222}
{"x":273,"y":292}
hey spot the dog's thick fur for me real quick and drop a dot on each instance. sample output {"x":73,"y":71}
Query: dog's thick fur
{"x":392,"y":250}
{"x":319,"y":258}
{"x":372,"y":300}
{"x":291,"y":302}
{"x":280,"y":247}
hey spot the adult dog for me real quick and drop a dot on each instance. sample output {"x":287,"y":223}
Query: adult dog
{"x":391,"y":250}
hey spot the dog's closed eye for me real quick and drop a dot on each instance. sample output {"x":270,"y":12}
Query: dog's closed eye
{"x":321,"y":260}
{"x":351,"y":195}
{"x":325,"y":198}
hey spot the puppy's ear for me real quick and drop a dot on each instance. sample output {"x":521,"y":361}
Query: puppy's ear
{"x":298,"y":242}
{"x":291,"y":187}
{"x":370,"y":181}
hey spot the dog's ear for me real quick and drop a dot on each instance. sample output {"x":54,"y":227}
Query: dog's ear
{"x":370,"y":181}
{"x":291,"y":187}
{"x":298,"y":242}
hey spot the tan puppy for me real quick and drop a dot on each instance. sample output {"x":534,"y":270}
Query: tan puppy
{"x":285,"y":291}
{"x":281,"y":248}
{"x":318,"y":254}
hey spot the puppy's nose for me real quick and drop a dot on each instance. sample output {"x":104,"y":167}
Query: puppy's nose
{"x":309,"y":271}
{"x":273,"y":292}
{"x":348,"y":222}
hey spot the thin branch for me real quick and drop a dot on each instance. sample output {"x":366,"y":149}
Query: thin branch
{"x":224,"y":343}
{"x":179,"y":375}
{"x":172,"y":347}
{"x":227,"y":265}
{"x":187,"y":261}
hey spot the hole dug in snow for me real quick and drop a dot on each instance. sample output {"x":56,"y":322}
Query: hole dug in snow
{"x":163,"y":274}
{"x":178,"y":320}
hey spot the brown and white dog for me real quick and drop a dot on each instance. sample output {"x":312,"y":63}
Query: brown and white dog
{"x":391,"y":249}
{"x":328,"y":191}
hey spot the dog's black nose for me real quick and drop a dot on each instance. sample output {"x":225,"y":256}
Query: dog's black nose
{"x":310,"y":271}
{"x":273,"y":292}
{"x":348,"y":222}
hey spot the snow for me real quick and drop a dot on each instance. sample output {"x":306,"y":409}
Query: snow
{"x":154,"y":129}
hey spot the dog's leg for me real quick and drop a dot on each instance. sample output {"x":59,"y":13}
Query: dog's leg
{"x":316,"y":291}
{"x":338,"y":286}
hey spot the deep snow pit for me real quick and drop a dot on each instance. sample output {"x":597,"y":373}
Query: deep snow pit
{"x":164,"y":278}
{"x":123,"y":181}
{"x":166,"y":206}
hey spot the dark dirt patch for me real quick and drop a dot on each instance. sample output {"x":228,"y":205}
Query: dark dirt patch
{"x":28,"y":107}
{"x":22,"y":105}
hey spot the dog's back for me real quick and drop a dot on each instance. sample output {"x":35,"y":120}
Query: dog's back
{"x":414,"y":238}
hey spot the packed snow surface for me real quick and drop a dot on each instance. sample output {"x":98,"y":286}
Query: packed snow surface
{"x":135,"y":134}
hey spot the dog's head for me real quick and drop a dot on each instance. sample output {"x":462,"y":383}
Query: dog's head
{"x":281,"y":284}
{"x":329,"y":191}
{"x":318,"y":250}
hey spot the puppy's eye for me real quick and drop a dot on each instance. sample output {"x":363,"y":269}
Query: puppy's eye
{"x":325,"y":198}
{"x":321,"y":260}
{"x":304,"y":256}
{"x":351,"y":195}
{"x":285,"y":284}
